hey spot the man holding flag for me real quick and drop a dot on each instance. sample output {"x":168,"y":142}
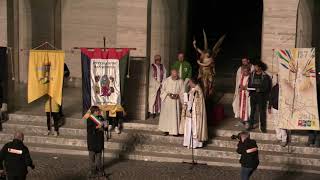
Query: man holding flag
{"x":95,"y":140}
{"x":45,"y":77}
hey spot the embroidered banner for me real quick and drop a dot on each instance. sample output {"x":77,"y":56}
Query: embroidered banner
{"x":103,"y":77}
{"x":105,"y":81}
{"x":298,"y":107}
{"x":45,"y":75}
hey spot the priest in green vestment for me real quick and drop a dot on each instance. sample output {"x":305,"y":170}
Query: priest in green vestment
{"x":183,"y":67}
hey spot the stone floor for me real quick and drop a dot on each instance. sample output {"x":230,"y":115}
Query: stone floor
{"x":62,"y":167}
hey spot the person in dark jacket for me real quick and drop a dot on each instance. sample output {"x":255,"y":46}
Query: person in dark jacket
{"x":16,"y":158}
{"x":281,"y":133}
{"x":249,"y":159}
{"x":66,"y":74}
{"x":95,"y":140}
{"x":259,"y":86}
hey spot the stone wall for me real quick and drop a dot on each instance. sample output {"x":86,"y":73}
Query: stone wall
{"x":122,"y":22}
{"x":36,"y":25}
{"x":279,"y":27}
{"x":3,"y":23}
{"x":304,"y":24}
{"x":168,"y":29}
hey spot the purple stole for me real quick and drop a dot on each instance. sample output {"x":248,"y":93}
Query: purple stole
{"x":157,"y":103}
{"x":155,"y":74}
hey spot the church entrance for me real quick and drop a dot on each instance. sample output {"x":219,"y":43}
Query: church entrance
{"x":241,"y":21}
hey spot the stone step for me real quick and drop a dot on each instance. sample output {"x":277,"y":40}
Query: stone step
{"x":76,"y":127}
{"x":273,"y":146}
{"x":65,"y":141}
{"x":229,"y":153}
{"x":76,"y":122}
{"x":176,"y":154}
{"x":155,"y":136}
{"x":150,"y":142}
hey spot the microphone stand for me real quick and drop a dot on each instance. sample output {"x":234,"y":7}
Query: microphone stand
{"x":193,"y":161}
{"x":106,"y":134}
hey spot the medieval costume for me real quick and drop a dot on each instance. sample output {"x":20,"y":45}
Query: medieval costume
{"x":196,"y":119}
{"x":157,"y":75}
{"x":171,"y":92}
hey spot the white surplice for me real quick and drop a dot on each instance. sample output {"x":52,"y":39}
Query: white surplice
{"x":157,"y":75}
{"x":241,"y":99}
{"x":195,"y":126}
{"x":170,"y":109}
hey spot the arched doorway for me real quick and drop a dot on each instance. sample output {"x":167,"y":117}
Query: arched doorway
{"x":241,"y":21}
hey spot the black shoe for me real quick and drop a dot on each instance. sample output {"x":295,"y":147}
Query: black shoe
{"x":154,"y":116}
{"x":165,"y":133}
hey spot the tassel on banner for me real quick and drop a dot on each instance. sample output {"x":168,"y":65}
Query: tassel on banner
{"x":129,"y":62}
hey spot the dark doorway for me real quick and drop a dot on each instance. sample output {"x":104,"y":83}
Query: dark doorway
{"x":241,"y":21}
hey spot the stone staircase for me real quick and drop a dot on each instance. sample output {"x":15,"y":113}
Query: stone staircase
{"x":142,"y":141}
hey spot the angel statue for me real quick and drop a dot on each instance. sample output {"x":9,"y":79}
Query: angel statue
{"x":206,"y":64}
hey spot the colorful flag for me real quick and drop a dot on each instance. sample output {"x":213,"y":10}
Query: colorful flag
{"x":45,"y":74}
{"x":298,"y":107}
{"x":103,"y":78}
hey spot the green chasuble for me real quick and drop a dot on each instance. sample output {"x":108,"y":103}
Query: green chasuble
{"x":185,"y":68}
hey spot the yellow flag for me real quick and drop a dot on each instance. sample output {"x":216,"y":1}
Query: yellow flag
{"x":45,"y":74}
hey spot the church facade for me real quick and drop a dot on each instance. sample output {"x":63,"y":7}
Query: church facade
{"x":150,"y":26}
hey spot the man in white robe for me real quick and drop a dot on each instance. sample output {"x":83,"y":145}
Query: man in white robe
{"x":241,"y":99}
{"x":157,"y":75}
{"x":196,"y":130}
{"x":171,"y":93}
{"x":244,"y":62}
{"x":241,"y":102}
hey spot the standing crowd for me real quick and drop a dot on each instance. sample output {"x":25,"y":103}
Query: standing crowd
{"x":179,"y":100}
{"x":256,"y":91}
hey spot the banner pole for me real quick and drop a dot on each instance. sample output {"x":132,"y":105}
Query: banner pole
{"x":128,"y":70}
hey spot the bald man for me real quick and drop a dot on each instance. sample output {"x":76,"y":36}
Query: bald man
{"x":171,"y":94}
{"x":16,"y":158}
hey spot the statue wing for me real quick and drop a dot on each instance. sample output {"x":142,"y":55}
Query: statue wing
{"x":205,"y":39}
{"x":216,"y":47}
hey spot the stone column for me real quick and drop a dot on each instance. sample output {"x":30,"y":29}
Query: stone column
{"x":279,"y":31}
{"x":3,"y":23}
